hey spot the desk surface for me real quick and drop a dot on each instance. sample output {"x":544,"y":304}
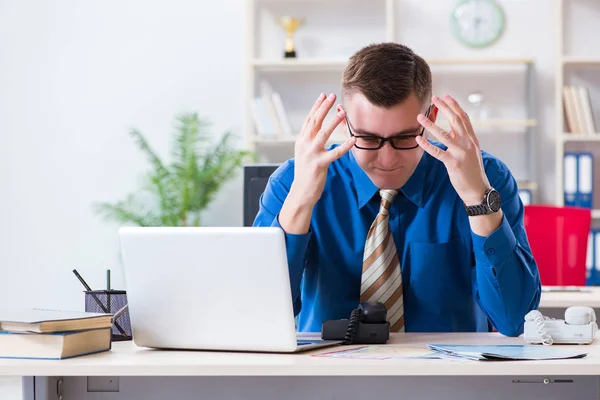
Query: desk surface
{"x":125,"y":359}
{"x":588,"y":296}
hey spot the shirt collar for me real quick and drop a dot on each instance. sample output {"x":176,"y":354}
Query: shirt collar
{"x":413,"y":189}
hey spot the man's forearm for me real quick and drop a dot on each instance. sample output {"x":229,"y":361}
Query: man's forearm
{"x":485,"y":225}
{"x":295,"y":214}
{"x":507,"y":282}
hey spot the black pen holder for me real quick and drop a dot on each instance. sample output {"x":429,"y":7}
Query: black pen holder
{"x":111,"y":301}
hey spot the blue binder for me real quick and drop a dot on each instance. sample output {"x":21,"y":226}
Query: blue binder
{"x":593,"y":259}
{"x":585,"y":179}
{"x":570,"y":179}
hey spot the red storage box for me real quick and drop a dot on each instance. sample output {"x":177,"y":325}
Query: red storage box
{"x":559,"y":239}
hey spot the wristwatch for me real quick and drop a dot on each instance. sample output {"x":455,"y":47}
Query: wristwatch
{"x":489,"y":205}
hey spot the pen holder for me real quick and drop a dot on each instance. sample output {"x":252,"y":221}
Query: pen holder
{"x":110,"y":301}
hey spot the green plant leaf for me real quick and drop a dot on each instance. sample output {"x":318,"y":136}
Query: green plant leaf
{"x":176,"y":194}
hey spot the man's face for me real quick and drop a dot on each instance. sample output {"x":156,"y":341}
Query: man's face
{"x":388,"y":168}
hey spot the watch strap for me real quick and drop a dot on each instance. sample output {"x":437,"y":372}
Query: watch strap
{"x":478,"y":209}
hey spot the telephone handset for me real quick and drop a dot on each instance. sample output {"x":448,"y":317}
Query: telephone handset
{"x":578,"y":327}
{"x":367,"y":325}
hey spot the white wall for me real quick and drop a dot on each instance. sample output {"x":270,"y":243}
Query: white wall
{"x":76,"y":75}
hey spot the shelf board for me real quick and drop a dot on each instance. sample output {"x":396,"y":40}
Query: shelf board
{"x":479,"y":61}
{"x":274,"y":140}
{"x":498,"y":123}
{"x":527,"y":185}
{"x":581,"y":60}
{"x":580,"y":137}
{"x":301,"y":64}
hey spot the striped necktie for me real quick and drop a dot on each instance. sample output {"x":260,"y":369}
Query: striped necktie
{"x":381,"y":274}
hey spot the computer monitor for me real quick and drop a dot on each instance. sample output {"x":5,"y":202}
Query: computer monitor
{"x":256,"y":177}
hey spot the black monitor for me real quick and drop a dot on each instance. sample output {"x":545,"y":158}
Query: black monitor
{"x":256,"y":177}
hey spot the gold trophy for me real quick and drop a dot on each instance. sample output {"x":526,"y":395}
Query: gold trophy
{"x":290,"y":25}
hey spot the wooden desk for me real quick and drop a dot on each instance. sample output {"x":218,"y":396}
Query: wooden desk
{"x":153,"y":374}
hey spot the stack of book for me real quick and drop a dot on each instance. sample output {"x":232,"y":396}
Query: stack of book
{"x":53,"y":334}
{"x":578,"y":110}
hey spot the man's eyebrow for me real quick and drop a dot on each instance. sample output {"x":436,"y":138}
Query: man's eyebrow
{"x":401,"y":133}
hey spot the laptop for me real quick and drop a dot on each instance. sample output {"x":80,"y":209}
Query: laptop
{"x":211,"y":288}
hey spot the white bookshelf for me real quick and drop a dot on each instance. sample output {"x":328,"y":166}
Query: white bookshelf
{"x":571,"y":60}
{"x":261,"y":64}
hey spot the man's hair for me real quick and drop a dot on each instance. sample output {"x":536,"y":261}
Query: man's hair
{"x":386,"y":74}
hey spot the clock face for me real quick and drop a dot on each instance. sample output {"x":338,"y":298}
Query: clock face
{"x":477,"y":23}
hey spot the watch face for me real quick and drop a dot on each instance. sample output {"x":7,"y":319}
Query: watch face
{"x":493,"y":200}
{"x":477,"y":23}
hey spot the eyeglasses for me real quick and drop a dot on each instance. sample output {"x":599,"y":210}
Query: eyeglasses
{"x":400,"y":142}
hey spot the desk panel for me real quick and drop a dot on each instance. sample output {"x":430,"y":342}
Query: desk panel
{"x":337,"y":387}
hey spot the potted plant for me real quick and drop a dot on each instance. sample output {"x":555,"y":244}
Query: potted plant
{"x":175,"y":194}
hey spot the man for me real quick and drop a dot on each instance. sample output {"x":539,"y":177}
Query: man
{"x":443,"y":245}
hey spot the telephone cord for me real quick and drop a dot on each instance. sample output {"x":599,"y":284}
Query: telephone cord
{"x":540,"y":324}
{"x":352,"y":326}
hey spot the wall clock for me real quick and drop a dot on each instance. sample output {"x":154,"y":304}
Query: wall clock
{"x":477,"y":23}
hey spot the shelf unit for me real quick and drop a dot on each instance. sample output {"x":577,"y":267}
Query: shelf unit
{"x":277,"y":66}
{"x":566,"y":65}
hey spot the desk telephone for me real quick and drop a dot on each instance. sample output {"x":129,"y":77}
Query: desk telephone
{"x":367,"y":325}
{"x":578,"y":327}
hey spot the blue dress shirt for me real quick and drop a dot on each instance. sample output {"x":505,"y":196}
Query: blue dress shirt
{"x":453,"y":280}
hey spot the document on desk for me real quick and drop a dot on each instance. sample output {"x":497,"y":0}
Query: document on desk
{"x":387,"y":352}
{"x":506,"y":352}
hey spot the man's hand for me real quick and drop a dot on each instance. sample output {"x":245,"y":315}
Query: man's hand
{"x":463,"y":155}
{"x":311,"y":161}
{"x":462,"y":160}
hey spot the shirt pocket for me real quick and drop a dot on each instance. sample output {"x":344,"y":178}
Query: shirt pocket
{"x":440,"y":277}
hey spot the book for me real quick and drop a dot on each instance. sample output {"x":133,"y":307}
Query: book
{"x":586,"y":106}
{"x":54,"y":346}
{"x":47,"y":321}
{"x":569,"y":110}
{"x":505,"y":352}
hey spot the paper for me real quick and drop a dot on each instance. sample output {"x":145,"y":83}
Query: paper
{"x":386,"y":352}
{"x":506,"y":352}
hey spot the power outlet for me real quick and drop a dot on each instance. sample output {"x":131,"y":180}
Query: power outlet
{"x":102,"y":384}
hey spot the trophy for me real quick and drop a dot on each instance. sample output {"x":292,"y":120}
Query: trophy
{"x":290,"y":25}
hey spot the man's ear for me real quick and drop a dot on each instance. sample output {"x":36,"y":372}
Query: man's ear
{"x":433,"y":113}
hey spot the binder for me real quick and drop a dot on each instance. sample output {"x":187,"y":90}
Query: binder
{"x":595,"y":272}
{"x":589,"y":259}
{"x":585,"y":179}
{"x":570,"y":179}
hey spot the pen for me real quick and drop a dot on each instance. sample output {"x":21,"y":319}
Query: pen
{"x":108,"y":289}
{"x":89,"y":289}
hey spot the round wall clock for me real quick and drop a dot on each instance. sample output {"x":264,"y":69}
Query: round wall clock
{"x":477,"y":23}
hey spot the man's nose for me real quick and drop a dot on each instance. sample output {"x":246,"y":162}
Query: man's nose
{"x":387,"y":154}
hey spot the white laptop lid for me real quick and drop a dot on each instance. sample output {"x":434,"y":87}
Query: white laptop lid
{"x":215,"y":288}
